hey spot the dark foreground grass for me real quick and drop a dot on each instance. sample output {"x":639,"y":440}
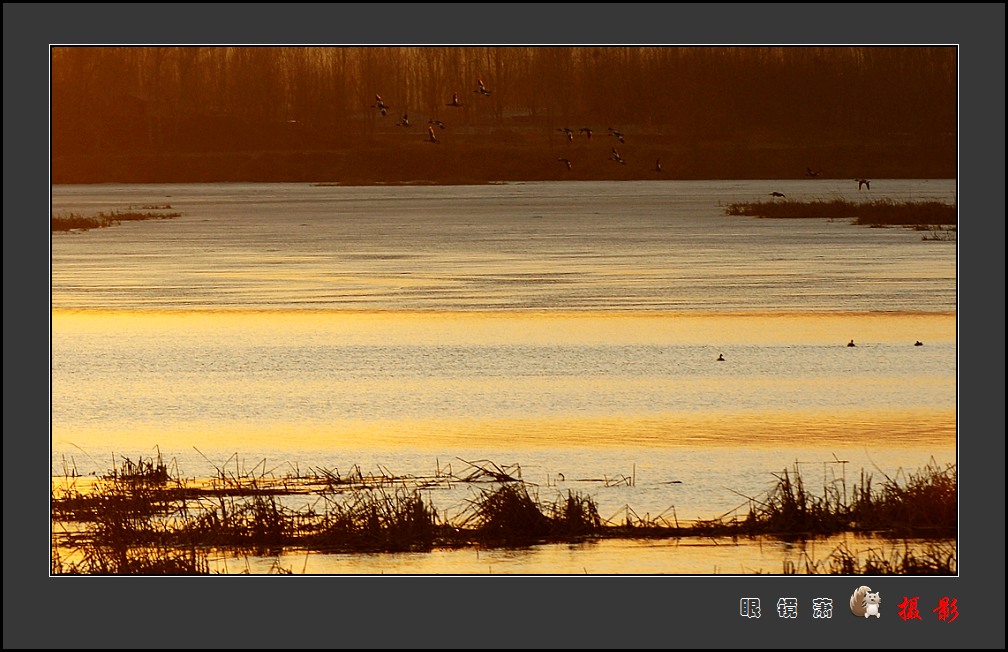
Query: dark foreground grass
{"x":935,"y":558}
{"x":143,"y":519}
{"x":922,"y":504}
{"x":71,"y":221}
{"x":937,"y":218}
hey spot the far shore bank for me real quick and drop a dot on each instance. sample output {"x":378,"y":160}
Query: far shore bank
{"x":405,"y":158}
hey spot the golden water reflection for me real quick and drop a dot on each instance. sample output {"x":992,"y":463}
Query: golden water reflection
{"x":685,"y":556}
{"x":487,"y":327}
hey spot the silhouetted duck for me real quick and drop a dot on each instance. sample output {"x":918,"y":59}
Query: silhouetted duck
{"x":482,"y":90}
{"x":431,"y":137}
{"x":918,"y":343}
{"x":455,"y":101}
{"x":863,"y":183}
{"x":778,"y":194}
{"x":720,"y":357}
{"x":657,"y":165}
{"x":851,"y":343}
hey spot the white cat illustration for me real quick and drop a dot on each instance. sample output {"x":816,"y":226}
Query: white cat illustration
{"x":871,"y":604}
{"x":864,"y":603}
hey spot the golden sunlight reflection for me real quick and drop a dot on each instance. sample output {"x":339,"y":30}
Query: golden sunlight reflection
{"x":483,"y":327}
{"x":686,"y":556}
{"x":934,"y":430}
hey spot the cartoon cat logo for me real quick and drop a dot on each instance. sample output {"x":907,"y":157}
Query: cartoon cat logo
{"x":864,"y":602}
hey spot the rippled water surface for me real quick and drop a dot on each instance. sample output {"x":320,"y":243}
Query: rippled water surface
{"x":571,"y":328}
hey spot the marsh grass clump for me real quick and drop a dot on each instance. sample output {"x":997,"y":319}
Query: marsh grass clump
{"x":925,"y":503}
{"x":149,"y":472}
{"x":374,"y":519}
{"x":575,"y":515}
{"x":790,"y":510}
{"x":257,"y":523}
{"x":507,"y":514}
{"x":922,"y":505}
{"x":922,"y":215}
{"x":510,"y":515}
{"x":71,"y":221}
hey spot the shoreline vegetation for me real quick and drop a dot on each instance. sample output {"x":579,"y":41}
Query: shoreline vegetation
{"x":144,"y":518}
{"x":71,"y":221}
{"x":937,"y":219}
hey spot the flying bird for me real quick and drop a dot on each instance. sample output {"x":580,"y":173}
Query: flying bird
{"x":568,"y":132}
{"x":565,"y":161}
{"x":777,"y":194}
{"x":455,"y":101}
{"x":863,"y":182}
{"x":809,"y":172}
{"x":616,"y":157}
{"x":436,"y":123}
{"x":381,"y":106}
{"x":586,"y":131}
{"x":404,"y":122}
{"x":431,"y":137}
{"x":618,"y":135}
{"x":482,"y":90}
{"x":657,"y":165}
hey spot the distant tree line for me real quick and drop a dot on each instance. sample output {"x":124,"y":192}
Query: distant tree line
{"x":199,"y":99}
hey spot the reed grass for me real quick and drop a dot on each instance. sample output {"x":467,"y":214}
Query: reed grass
{"x":881,"y":212}
{"x":142,"y":518}
{"x":71,"y":221}
{"x":923,"y":504}
{"x":934,"y":558}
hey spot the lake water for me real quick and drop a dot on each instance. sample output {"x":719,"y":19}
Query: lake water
{"x":571,"y":328}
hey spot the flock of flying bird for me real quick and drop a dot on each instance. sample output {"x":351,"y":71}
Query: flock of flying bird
{"x":431,"y":123}
{"x":614,"y":153}
{"x":481,"y":89}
